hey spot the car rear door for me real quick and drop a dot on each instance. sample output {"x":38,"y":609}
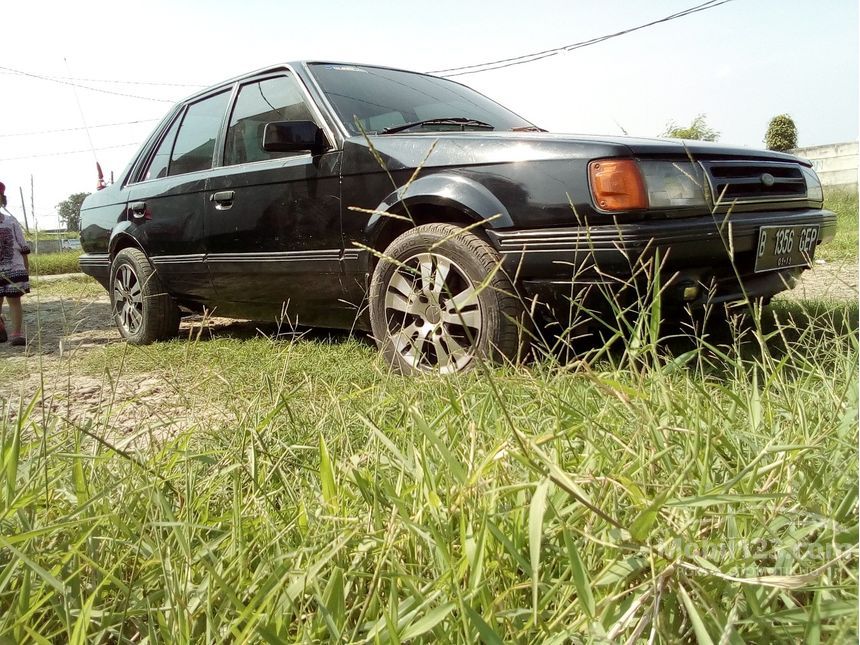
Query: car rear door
{"x":272,"y":224}
{"x":168,"y":202}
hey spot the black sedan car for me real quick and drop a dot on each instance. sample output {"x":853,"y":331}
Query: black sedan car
{"x":411,"y":206}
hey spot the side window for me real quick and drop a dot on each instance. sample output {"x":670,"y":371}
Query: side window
{"x":161,"y":158}
{"x":195,"y":143}
{"x":274,"y":99}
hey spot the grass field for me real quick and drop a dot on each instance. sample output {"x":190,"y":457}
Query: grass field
{"x":696,"y":490}
{"x":65,"y":235}
{"x":54,"y":263}
{"x":844,"y":246}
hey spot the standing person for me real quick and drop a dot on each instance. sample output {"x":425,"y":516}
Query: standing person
{"x":14,"y":272}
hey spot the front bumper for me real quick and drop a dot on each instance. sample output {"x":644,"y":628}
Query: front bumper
{"x":716,"y":253}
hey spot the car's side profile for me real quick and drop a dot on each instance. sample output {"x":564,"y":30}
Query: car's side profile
{"x":413,"y":207}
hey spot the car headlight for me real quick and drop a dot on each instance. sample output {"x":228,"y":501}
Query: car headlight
{"x":673,"y":184}
{"x":625,"y":184}
{"x":814,"y":191}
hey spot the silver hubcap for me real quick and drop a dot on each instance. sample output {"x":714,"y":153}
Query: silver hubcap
{"x":433,"y":314}
{"x":127,"y":300}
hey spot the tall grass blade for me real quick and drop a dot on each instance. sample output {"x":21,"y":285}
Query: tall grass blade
{"x":451,"y":462}
{"x":699,"y":629}
{"x":579,"y":574}
{"x":329,"y":488}
{"x":427,"y":622}
{"x":536,"y":513}
{"x":813,"y":627}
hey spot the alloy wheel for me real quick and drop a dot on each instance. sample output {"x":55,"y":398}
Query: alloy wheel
{"x":433,"y":313}
{"x":127,"y":300}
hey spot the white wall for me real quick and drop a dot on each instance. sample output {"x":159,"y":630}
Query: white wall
{"x":835,"y":163}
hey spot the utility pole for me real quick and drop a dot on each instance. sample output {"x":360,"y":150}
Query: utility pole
{"x":24,"y":210}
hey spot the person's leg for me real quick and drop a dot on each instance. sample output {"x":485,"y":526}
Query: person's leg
{"x":2,"y":323}
{"x":16,"y":316}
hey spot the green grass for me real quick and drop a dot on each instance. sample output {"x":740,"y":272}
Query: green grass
{"x":66,"y":235}
{"x":75,"y":288}
{"x":54,"y":263}
{"x":843,"y":248}
{"x":707,"y":492}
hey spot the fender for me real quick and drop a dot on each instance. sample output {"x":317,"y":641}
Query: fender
{"x":444,"y":189}
{"x":124,"y":234}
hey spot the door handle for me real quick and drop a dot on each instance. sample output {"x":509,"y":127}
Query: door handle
{"x":138,"y":209}
{"x":223,"y":200}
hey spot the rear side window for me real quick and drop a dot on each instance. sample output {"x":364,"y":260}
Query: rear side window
{"x":195,"y":143}
{"x":259,"y":103}
{"x":161,"y":158}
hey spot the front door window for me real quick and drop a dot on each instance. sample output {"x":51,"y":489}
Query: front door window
{"x":273,"y":99}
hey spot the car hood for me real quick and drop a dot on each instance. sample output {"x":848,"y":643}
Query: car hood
{"x":655,"y":146}
{"x":434,"y":149}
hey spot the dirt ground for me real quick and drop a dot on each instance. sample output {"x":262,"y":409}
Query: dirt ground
{"x":59,"y":326}
{"x":837,"y":281}
{"x":140,"y":406}
{"x":129,"y":409}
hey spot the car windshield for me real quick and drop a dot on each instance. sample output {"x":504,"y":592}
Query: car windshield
{"x":375,"y":98}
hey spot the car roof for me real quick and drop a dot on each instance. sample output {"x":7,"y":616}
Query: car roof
{"x":300,"y":65}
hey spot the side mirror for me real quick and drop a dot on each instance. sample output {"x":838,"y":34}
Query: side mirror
{"x":293,"y":136}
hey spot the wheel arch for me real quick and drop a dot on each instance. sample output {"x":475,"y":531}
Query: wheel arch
{"x":439,"y":198}
{"x":123,"y":240}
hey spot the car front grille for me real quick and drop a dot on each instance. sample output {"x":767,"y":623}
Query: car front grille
{"x":747,"y":182}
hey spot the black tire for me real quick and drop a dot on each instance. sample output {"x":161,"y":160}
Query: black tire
{"x":439,"y":302}
{"x":142,"y":309}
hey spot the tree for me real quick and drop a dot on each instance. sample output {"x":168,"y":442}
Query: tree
{"x":69,"y":211}
{"x":698,"y":129}
{"x":781,"y":134}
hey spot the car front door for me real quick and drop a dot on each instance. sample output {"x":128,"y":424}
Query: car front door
{"x":272,"y":224}
{"x":167,"y":204}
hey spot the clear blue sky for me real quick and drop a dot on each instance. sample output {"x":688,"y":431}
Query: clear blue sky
{"x":740,"y":64}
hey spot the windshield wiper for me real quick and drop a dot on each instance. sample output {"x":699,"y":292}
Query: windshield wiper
{"x":457,"y":120}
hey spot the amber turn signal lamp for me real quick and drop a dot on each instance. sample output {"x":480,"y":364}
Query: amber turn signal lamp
{"x":617,"y":185}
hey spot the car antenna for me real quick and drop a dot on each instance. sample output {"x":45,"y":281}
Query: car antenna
{"x":100,"y":184}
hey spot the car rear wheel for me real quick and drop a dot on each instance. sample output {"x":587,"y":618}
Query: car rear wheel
{"x":143,"y":310}
{"x":440,"y":303}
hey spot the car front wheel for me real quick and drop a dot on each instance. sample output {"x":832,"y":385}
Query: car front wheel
{"x":439,"y":302}
{"x":143,"y":310}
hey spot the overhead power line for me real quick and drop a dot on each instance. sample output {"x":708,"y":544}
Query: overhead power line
{"x":449,"y":72}
{"x":534,"y":56}
{"x":113,"y":81}
{"x":85,"y":87}
{"x":70,"y":152}
{"x":102,"y":125}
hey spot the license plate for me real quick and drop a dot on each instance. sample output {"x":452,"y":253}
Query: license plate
{"x":781,"y":247}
